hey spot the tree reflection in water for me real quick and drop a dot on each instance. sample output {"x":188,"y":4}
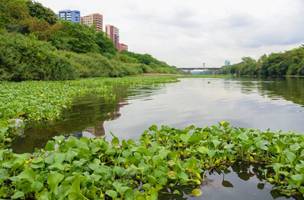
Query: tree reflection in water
{"x":85,"y":118}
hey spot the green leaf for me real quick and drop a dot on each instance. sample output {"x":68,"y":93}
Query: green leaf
{"x":262,"y":144}
{"x":115,"y":141}
{"x":216,"y":143}
{"x":290,"y":156}
{"x":37,"y":186}
{"x":111,"y":193}
{"x":28,"y":174}
{"x":295,"y":147}
{"x":163,"y":153}
{"x":243,"y":136}
{"x":224,"y":124}
{"x":203,"y":150}
{"x":54,"y":178}
{"x":185,"y":137}
{"x":18,"y":195}
{"x":75,"y":192}
{"x":298,"y":179}
{"x":44,"y":195}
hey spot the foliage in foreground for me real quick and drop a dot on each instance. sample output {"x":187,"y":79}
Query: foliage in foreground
{"x":38,"y":101}
{"x":163,"y":158}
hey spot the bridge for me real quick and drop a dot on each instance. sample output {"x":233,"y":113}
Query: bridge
{"x":201,"y":70}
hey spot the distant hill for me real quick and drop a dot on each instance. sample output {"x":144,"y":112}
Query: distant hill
{"x":35,"y":45}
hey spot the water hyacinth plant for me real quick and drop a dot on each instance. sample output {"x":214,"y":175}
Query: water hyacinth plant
{"x":163,"y":159}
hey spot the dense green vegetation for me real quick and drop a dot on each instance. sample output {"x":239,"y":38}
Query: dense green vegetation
{"x":36,"y":46}
{"x":289,"y":63}
{"x":165,"y":158}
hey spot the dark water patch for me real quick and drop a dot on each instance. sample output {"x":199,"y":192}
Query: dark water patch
{"x":239,"y":182}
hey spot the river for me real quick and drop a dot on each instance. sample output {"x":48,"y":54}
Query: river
{"x":262,"y":104}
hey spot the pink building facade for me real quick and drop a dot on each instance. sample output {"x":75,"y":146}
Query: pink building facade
{"x":113,"y":33}
{"x":123,"y":47}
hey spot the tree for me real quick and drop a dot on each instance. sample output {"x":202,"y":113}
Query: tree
{"x":75,"y":37}
{"x":39,"y":11}
{"x":105,"y":44}
{"x":12,"y":14}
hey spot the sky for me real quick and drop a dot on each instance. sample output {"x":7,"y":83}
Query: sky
{"x":188,"y":33}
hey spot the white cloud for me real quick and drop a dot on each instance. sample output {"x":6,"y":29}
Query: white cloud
{"x":188,"y":33}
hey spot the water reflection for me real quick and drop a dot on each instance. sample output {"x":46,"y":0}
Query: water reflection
{"x":274,"y":104}
{"x":263,"y":104}
{"x":247,"y":103}
{"x":240,"y":181}
{"x":290,"y":89}
{"x":86,"y":118}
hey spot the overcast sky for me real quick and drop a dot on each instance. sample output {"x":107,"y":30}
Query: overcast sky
{"x":187,"y":33}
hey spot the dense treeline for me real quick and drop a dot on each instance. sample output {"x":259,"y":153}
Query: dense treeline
{"x":289,"y":63}
{"x":35,"y":45}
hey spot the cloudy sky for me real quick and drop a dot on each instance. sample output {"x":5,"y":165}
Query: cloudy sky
{"x":187,"y":33}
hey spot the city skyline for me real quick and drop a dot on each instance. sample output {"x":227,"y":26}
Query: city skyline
{"x":94,"y":20}
{"x":193,"y":32}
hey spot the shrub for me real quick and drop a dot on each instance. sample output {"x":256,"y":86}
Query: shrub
{"x":24,"y":58}
{"x":90,"y":65}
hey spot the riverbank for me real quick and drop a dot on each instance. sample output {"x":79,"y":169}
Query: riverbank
{"x":45,"y":100}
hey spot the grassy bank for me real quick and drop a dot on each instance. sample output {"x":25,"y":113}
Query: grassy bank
{"x":164,"y":158}
{"x":35,"y":45}
{"x":37,"y":101}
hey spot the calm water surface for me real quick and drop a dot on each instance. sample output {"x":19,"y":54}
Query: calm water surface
{"x":253,"y":104}
{"x":273,"y":104}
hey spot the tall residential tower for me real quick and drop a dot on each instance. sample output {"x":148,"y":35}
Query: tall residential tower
{"x":94,"y":20}
{"x":113,"y":34}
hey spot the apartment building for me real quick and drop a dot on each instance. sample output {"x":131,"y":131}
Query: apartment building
{"x":70,"y":15}
{"x":94,"y":20}
{"x":113,"y":33}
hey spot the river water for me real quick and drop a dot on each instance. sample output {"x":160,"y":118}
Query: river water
{"x":263,"y":104}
